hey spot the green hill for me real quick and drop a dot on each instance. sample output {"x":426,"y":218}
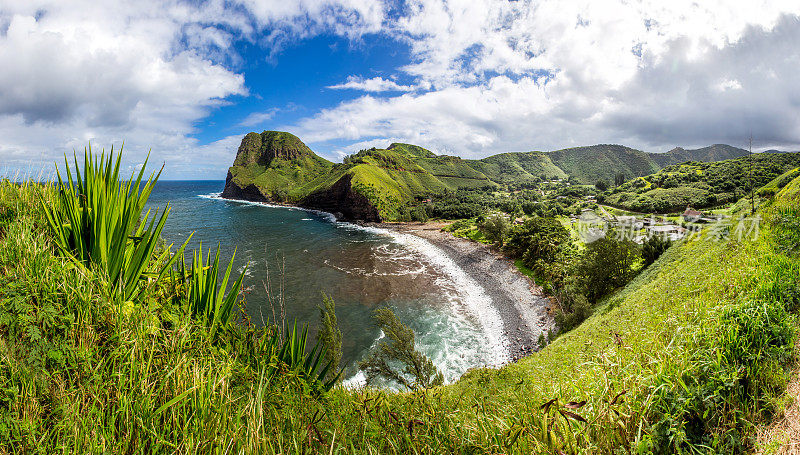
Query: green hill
{"x":589,"y":164}
{"x":716,"y":152}
{"x":700,"y":185}
{"x":519,"y":168}
{"x":372,"y":185}
{"x":273,"y":166}
{"x":388,"y":184}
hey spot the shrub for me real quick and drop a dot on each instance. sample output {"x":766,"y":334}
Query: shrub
{"x":416,"y":371}
{"x":606,"y":264}
{"x":97,"y":221}
{"x":329,"y":335}
{"x":573,"y":305}
{"x":205,"y":295}
{"x":654,"y":247}
{"x":495,"y":227}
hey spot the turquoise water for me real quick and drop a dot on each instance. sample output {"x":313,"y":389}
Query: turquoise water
{"x":307,"y":253}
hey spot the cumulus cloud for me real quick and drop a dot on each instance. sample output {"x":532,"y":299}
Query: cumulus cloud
{"x":257,"y":118}
{"x":489,"y":76}
{"x":104,"y":72}
{"x":375,"y":84}
{"x":549,"y":74}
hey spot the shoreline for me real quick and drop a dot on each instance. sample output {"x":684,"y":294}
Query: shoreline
{"x":522,"y":305}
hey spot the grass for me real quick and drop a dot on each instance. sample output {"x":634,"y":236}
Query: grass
{"x":689,"y":357}
{"x":520,"y":265}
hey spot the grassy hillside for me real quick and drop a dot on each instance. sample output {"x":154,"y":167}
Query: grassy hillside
{"x":716,"y":152}
{"x":278,"y":164}
{"x":688,"y":357}
{"x":519,"y":168}
{"x":587,"y":165}
{"x":700,"y":185}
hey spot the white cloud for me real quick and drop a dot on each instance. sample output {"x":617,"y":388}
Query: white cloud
{"x":257,"y":118}
{"x":489,"y":76}
{"x":375,"y":84}
{"x":106,"y":72}
{"x":550,"y":74}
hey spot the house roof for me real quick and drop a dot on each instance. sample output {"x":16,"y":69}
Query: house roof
{"x":691,"y":212}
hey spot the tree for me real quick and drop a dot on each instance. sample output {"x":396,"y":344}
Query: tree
{"x":654,"y":247}
{"x":495,"y":227}
{"x":397,"y":359}
{"x":601,"y":185}
{"x":573,"y":305}
{"x":607,"y":264}
{"x":538,"y":238}
{"x":619,"y":179}
{"x":329,"y":335}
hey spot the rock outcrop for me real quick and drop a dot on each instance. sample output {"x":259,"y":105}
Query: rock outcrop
{"x":273,"y":165}
{"x":342,"y":201}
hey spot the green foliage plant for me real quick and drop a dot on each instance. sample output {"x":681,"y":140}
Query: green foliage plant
{"x":654,"y":247}
{"x":330,"y":335}
{"x":206,"y":297}
{"x":606,"y":264}
{"x":494,"y":227}
{"x":97,"y":222}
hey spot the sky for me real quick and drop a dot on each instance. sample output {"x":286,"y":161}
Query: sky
{"x":185,"y":80}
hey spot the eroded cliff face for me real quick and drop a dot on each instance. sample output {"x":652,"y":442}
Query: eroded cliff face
{"x":248,"y":193}
{"x":341,"y":200}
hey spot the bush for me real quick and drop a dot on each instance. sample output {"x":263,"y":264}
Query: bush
{"x":98,"y":222}
{"x":419,"y":214}
{"x":607,"y":264}
{"x":573,"y":305}
{"x":494,"y":227}
{"x":416,"y":370}
{"x":654,"y":247}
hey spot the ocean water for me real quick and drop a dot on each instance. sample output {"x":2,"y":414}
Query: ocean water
{"x":294,"y":255}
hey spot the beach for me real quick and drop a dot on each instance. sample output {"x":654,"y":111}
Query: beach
{"x":522,"y":305}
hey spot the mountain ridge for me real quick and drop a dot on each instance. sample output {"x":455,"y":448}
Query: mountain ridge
{"x":386,"y":184}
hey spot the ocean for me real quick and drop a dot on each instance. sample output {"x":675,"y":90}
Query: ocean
{"x":294,"y":256}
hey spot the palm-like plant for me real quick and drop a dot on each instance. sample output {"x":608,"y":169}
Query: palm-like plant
{"x":205,"y":294}
{"x":97,"y":221}
{"x":308,"y":365}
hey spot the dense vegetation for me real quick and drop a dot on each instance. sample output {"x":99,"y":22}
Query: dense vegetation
{"x":687,"y":357}
{"x":701,"y":185}
{"x":393,"y":184}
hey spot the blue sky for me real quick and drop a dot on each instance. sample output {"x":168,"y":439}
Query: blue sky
{"x":294,"y":84}
{"x":186,"y":79}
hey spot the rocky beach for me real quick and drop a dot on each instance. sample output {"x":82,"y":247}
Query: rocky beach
{"x":522,"y":305}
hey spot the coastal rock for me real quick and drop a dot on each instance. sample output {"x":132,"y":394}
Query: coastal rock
{"x":273,"y":165}
{"x":248,"y":193}
{"x":342,"y":200}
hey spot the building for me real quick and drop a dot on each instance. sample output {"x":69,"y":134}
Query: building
{"x":691,"y":215}
{"x":667,"y":231}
